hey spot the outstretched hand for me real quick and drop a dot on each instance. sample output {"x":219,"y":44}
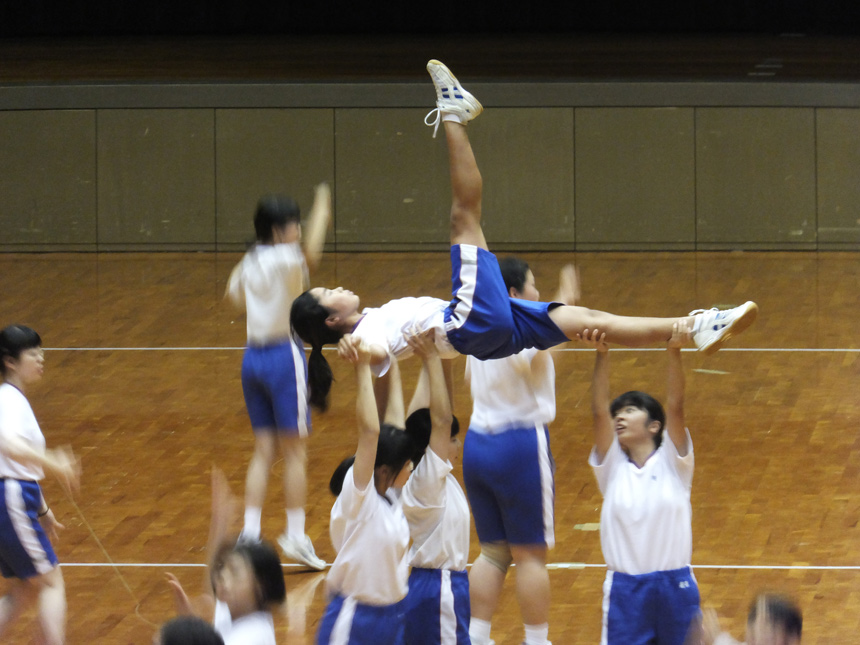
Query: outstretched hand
{"x":595,"y":339}
{"x":680,"y":334}
{"x":568,"y":286}
{"x":421,"y":342}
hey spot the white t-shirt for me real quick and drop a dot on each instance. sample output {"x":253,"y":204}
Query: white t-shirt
{"x":254,"y":629}
{"x":513,"y":392}
{"x":266,"y":282}
{"x":646,"y":519}
{"x":371,"y":537}
{"x":17,"y":420}
{"x":438,"y":516}
{"x":387,"y":326}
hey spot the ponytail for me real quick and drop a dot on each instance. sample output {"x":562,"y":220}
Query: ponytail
{"x":320,"y":379}
{"x":308,"y":320}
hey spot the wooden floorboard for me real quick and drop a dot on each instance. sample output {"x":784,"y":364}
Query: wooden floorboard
{"x":142,"y":380}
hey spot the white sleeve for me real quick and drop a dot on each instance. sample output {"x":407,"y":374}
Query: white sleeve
{"x":683,"y":466}
{"x":603,"y":470}
{"x":425,"y":492}
{"x":235,"y":286}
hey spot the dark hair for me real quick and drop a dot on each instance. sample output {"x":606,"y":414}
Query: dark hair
{"x":781,"y":611}
{"x":514,"y":272}
{"x":418,"y":427}
{"x":15,"y":339}
{"x":189,"y":630}
{"x":264,"y":562}
{"x":274,"y":210}
{"x":644,"y":402}
{"x":393,"y":450}
{"x":308,"y":320}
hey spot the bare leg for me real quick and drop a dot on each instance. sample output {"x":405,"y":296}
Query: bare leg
{"x":532,"y":585}
{"x":295,"y":473}
{"x":485,"y":588}
{"x":22,"y":594}
{"x":466,"y":188}
{"x":52,"y":607}
{"x":630,"y":331}
{"x":257,"y":480}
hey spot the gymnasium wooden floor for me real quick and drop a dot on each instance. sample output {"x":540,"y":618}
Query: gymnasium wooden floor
{"x":142,"y":380}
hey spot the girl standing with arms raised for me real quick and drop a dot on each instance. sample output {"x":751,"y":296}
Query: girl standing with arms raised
{"x":272,"y":273}
{"x":368,"y":579}
{"x":643,"y":462}
{"x":26,"y":520}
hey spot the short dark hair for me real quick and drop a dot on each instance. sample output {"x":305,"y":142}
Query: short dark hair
{"x":274,"y":210}
{"x":189,"y":630}
{"x":645,"y":402}
{"x":15,"y":339}
{"x":264,"y":562}
{"x":781,"y":610}
{"x":514,"y":272}
{"x":418,"y":427}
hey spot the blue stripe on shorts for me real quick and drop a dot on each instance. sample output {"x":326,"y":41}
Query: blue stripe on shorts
{"x":347,"y":622}
{"x":482,"y":320}
{"x":274,"y":381}
{"x":509,"y":479}
{"x":437,"y":607}
{"x":25,"y":550}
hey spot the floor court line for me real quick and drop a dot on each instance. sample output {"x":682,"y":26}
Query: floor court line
{"x":563,"y":349}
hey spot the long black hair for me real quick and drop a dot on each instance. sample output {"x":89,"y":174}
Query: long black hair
{"x":308,"y":320}
{"x":15,"y":339}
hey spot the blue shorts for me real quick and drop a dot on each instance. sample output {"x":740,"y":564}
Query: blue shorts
{"x":509,"y":479}
{"x":656,"y":607}
{"x":25,"y":551}
{"x":437,"y":607}
{"x":347,"y":622}
{"x":274,"y":380}
{"x":482,"y":320}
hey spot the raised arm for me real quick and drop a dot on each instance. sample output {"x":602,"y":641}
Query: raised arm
{"x":603,"y":431}
{"x":440,"y":401}
{"x":394,"y":413}
{"x":317,"y":225}
{"x":568,"y":286}
{"x":675,"y":424}
{"x":367,"y":420}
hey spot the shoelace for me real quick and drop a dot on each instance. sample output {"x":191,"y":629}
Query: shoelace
{"x":436,"y":115}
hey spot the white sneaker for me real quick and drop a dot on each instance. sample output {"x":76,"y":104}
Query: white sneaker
{"x":716,"y":326}
{"x":301,"y":550}
{"x":451,"y":98}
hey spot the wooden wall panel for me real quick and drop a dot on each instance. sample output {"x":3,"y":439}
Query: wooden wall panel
{"x":268,"y":151}
{"x":755,"y":178}
{"x":156,"y":179}
{"x":635,"y":178}
{"x":47,"y":179}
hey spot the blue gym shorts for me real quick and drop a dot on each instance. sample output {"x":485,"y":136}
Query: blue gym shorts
{"x":25,"y":550}
{"x":656,"y":607}
{"x":348,"y":622}
{"x":510,"y":484}
{"x":482,"y":320}
{"x":437,"y":607}
{"x":274,"y":381}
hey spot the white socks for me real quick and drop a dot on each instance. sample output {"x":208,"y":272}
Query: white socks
{"x":479,"y":631}
{"x":537,"y":634}
{"x":296,"y":522}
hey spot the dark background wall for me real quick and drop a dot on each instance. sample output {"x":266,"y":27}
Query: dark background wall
{"x":165,"y":17}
